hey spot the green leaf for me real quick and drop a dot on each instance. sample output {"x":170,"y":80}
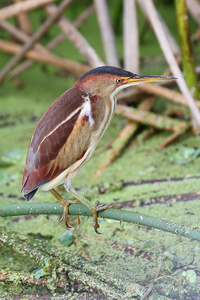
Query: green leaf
{"x":67,"y":238}
{"x":185,"y":155}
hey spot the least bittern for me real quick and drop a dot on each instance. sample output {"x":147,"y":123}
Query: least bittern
{"x":69,"y":131}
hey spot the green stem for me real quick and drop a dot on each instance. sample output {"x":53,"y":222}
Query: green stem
{"x":115,"y":214}
{"x":186,"y":48}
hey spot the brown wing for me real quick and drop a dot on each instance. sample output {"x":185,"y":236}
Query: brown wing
{"x":48,"y":144}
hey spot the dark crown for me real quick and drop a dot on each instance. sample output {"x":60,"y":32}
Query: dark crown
{"x":107,"y":70}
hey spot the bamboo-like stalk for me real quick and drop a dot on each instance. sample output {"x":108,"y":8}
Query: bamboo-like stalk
{"x":76,"y":38}
{"x":71,"y":66}
{"x":149,"y":118}
{"x":15,"y":9}
{"x":115,"y":214}
{"x":186,"y":47}
{"x":107,"y":33}
{"x":149,"y":9}
{"x":130,"y":34}
{"x":37,"y":35}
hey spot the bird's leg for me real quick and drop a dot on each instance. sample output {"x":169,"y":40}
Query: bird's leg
{"x":94,"y":209}
{"x":65,"y":203}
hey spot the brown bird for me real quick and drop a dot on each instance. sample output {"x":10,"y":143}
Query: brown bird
{"x":69,"y":131}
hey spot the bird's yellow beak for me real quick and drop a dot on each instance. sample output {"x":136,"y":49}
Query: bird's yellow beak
{"x":136,"y":79}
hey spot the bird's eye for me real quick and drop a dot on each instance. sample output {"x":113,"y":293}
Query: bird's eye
{"x":118,"y":80}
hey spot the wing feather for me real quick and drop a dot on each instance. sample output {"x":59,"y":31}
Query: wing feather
{"x":51,"y":147}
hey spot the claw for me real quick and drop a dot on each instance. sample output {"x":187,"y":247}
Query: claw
{"x":65,"y":204}
{"x":67,"y":225}
{"x":77,"y":222}
{"x":99,"y":207}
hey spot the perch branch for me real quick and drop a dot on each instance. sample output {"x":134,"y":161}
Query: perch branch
{"x":115,"y":214}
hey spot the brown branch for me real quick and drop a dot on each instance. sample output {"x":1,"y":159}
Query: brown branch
{"x":76,"y":38}
{"x":151,"y":119}
{"x":15,"y":9}
{"x":21,"y":36}
{"x":84,"y":15}
{"x":164,"y":92}
{"x":29,"y":44}
{"x":24,"y":65}
{"x":71,"y":66}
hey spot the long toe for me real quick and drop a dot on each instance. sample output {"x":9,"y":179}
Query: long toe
{"x":99,"y":207}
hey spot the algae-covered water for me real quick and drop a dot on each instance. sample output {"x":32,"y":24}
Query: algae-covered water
{"x":123,"y":261}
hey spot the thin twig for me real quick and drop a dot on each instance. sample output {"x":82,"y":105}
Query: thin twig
{"x":149,"y":290}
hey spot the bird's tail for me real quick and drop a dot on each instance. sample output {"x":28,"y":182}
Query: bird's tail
{"x":29,"y":195}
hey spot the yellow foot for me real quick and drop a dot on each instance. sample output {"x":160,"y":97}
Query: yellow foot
{"x":65,"y":216}
{"x":65,"y":204}
{"x":99,"y":207}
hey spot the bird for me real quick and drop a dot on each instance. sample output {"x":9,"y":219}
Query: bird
{"x":67,"y":134}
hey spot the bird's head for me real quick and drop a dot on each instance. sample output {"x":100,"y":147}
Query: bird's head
{"x":105,"y":81}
